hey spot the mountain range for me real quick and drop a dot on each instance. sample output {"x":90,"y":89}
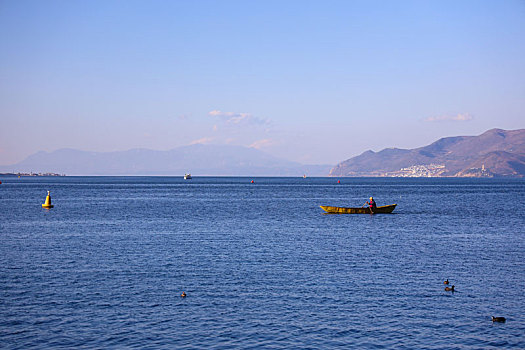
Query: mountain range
{"x":496,"y":152}
{"x":198,"y":159}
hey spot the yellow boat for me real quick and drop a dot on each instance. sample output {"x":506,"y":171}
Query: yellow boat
{"x":385,"y":209}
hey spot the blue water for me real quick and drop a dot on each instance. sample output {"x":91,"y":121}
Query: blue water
{"x":260,"y":263}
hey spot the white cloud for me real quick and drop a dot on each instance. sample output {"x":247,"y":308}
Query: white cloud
{"x":203,"y":141}
{"x":460,"y":117}
{"x":262,"y":143}
{"x":238,"y":118}
{"x":215,"y":113}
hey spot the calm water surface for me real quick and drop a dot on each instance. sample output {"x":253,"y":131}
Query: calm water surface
{"x":260,"y":263}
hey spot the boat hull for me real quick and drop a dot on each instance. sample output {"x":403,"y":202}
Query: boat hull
{"x":385,"y":209}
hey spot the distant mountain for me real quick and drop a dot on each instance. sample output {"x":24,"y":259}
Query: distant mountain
{"x":494,"y":153}
{"x":197,"y":159}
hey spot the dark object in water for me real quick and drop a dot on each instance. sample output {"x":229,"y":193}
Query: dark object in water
{"x":183,"y":294}
{"x":498,"y":319}
{"x":446,"y":282}
{"x":449,"y":289}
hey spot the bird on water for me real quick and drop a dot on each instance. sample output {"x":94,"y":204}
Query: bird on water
{"x":449,"y":289}
{"x":498,"y":319}
{"x":183,"y":294}
{"x":446,"y":282}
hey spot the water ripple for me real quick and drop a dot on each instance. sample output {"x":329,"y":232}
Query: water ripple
{"x":261,"y":266}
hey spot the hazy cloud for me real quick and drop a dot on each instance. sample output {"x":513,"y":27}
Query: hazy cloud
{"x":203,"y":141}
{"x":238,"y":118}
{"x":460,"y":117}
{"x":262,"y":143}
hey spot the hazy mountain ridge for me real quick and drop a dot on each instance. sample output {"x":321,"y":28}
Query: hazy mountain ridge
{"x":197,"y":159}
{"x":500,"y":152}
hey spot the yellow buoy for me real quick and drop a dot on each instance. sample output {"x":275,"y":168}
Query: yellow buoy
{"x":47,"y":204}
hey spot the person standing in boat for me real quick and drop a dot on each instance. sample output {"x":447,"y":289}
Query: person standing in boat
{"x":372,"y":205}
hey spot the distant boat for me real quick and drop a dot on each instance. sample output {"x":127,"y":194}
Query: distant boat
{"x":187,"y":177}
{"x":385,"y":209}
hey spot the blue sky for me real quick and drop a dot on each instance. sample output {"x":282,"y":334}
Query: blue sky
{"x":310,"y":81}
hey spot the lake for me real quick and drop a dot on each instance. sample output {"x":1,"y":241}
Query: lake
{"x":261,"y":264}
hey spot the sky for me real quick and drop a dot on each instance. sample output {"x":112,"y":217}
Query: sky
{"x":315,"y":82}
